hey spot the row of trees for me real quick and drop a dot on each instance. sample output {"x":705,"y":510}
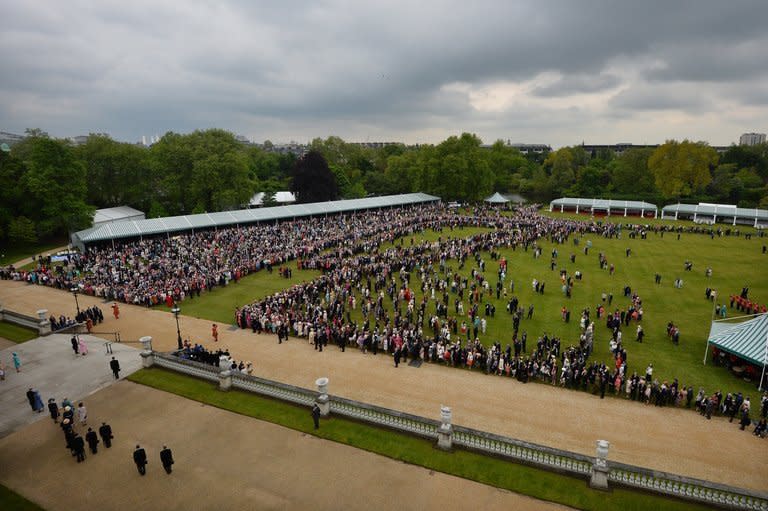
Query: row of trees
{"x":53,"y":187}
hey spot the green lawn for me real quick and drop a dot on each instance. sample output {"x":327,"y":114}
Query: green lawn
{"x":12,"y":252}
{"x":484,"y":469}
{"x":735,"y":262}
{"x":10,"y":500}
{"x":16,"y":333}
{"x":219,"y":305}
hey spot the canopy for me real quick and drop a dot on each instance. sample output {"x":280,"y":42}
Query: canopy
{"x":496,"y":198}
{"x":747,"y":340}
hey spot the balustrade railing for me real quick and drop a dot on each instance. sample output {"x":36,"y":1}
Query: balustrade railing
{"x":548,"y":458}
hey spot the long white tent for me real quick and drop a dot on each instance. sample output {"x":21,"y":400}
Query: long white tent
{"x":204,"y":221}
{"x":713,"y":213}
{"x":607,"y":206}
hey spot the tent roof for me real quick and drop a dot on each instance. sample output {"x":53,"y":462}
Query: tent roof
{"x":746,"y":340}
{"x":717,"y":209}
{"x":136,"y":228}
{"x":603,"y":203}
{"x":116,"y":214}
{"x":497,"y":198}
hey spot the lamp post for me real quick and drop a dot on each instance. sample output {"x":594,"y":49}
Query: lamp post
{"x":176,"y":310}
{"x":77,"y":304}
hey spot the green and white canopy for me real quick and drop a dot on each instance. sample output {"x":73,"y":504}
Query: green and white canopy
{"x":747,"y":340}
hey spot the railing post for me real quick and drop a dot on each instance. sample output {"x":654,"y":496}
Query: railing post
{"x":598,"y":476}
{"x":322,"y":400}
{"x":445,"y":431}
{"x":225,"y":380}
{"x":43,"y":323}
{"x":147,"y":359}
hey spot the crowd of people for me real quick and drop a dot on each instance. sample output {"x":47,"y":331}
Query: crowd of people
{"x":443,"y":326}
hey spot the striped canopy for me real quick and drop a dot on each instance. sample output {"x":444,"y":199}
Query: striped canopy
{"x":747,"y":340}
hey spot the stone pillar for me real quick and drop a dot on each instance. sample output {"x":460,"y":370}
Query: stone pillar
{"x":598,"y":476}
{"x":445,"y":431}
{"x":146,"y":342}
{"x":147,"y":360}
{"x":43,"y":323}
{"x":322,"y":400}
{"x":225,"y":380}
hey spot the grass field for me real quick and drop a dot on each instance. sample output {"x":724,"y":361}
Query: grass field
{"x":484,"y":469}
{"x":11,"y":253}
{"x":12,"y":501}
{"x":16,"y":333}
{"x":735,"y":262}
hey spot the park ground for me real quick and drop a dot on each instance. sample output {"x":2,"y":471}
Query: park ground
{"x":672,"y":440}
{"x":222,"y":461}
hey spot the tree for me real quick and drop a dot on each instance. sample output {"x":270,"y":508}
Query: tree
{"x":312,"y":180}
{"x":55,"y":187}
{"x":682,"y":168}
{"x":630,"y":175}
{"x":118,"y":173}
{"x":22,"y":230}
{"x":202,"y":171}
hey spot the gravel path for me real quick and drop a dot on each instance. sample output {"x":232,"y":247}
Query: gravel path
{"x":673,"y":440}
{"x":222,"y":461}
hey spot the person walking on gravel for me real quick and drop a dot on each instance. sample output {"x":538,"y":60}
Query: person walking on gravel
{"x":166,"y":458}
{"x":140,"y":458}
{"x":114,"y":364}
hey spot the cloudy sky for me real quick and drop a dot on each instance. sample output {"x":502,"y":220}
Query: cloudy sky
{"x":538,"y":71}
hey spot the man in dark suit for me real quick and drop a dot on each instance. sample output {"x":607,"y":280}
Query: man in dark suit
{"x":106,"y":434}
{"x":316,"y":415}
{"x":115,"y":366}
{"x":78,"y":445}
{"x":93,"y":440}
{"x":166,"y":458}
{"x":140,"y":458}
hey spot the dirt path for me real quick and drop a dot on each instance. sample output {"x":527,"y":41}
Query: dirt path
{"x":672,"y":440}
{"x":254,"y":465}
{"x":6,"y":343}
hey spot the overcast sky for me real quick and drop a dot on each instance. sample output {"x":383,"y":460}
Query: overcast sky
{"x":556,"y":72}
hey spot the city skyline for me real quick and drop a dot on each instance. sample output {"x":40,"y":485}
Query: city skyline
{"x":561,"y":74}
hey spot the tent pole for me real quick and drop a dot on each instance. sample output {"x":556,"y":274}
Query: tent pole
{"x":765,"y":361}
{"x":706,"y":350}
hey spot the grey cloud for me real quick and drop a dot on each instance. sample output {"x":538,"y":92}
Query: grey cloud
{"x":578,"y":84}
{"x":303,"y":66}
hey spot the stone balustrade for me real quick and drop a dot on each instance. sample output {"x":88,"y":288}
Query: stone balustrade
{"x":447,"y":434}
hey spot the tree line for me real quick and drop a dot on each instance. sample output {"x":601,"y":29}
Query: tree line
{"x":53,"y":187}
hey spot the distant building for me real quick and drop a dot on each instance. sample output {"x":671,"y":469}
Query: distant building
{"x":10,"y":138}
{"x":374,"y":145}
{"x":618,"y":149}
{"x":752,"y":139}
{"x":292,"y":148}
{"x":532,"y":148}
